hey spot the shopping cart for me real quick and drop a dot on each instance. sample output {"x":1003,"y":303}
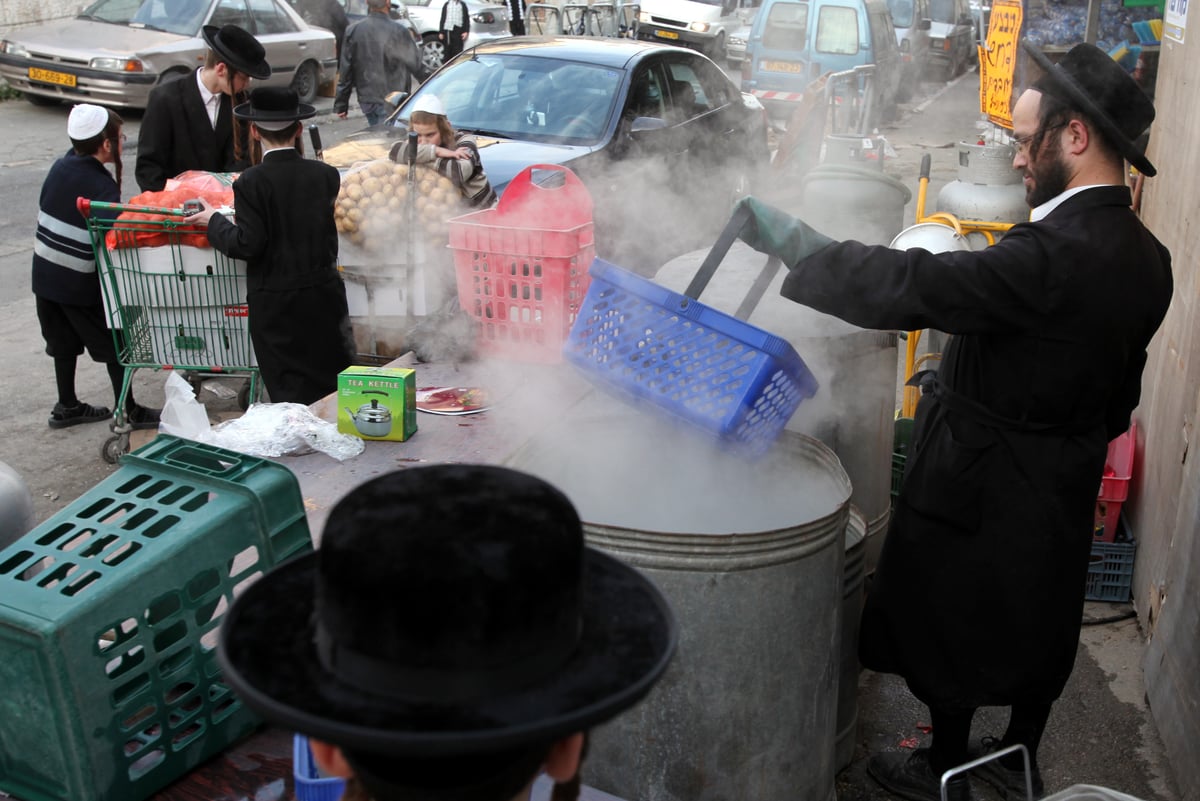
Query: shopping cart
{"x":172,"y":302}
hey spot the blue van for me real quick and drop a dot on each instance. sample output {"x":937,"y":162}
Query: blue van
{"x":793,"y":42}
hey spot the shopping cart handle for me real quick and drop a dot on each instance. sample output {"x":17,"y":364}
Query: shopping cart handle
{"x":926,"y":160}
{"x":84,"y":205}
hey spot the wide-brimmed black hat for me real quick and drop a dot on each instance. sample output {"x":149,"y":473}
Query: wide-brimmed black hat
{"x":239,"y":49}
{"x":451,"y":609}
{"x":270,"y":104}
{"x":1091,"y":80}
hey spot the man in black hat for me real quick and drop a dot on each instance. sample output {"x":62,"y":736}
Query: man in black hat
{"x":452,"y":637}
{"x":978,"y":594}
{"x":285,"y":231}
{"x":189,"y":124}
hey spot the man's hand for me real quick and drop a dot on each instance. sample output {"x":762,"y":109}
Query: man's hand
{"x":777,"y":233}
{"x":341,"y":115}
{"x":204,"y":215}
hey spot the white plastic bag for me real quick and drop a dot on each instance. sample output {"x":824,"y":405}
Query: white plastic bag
{"x":182,"y":415}
{"x":266,"y":429}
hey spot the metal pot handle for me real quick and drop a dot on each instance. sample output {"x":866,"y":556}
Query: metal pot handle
{"x":970,"y":766}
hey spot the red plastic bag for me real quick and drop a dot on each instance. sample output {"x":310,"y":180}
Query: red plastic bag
{"x":128,"y":232}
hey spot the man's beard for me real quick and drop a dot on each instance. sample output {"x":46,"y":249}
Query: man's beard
{"x":1049,"y":175}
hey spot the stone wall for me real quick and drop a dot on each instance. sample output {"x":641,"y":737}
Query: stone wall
{"x":18,"y":13}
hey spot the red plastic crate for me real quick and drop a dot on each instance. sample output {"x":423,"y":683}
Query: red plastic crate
{"x":1118,"y":463}
{"x":522,"y":267}
{"x":1107,"y":515}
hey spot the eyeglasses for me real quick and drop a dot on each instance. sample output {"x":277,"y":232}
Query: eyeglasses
{"x":124,"y":137}
{"x":1023,"y":142}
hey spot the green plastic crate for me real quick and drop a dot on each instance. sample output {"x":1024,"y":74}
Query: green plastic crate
{"x":901,"y":437}
{"x":1110,"y":572}
{"x":108,"y":621}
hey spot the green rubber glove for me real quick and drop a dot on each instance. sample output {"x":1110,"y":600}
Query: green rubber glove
{"x":777,"y":233}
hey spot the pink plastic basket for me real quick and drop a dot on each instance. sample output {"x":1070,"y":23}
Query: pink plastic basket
{"x":1119,"y":461}
{"x":522,"y":267}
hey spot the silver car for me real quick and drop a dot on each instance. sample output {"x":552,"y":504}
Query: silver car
{"x":116,"y":51}
{"x":489,"y":20}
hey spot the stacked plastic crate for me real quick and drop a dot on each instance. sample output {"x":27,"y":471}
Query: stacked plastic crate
{"x":1110,"y":573}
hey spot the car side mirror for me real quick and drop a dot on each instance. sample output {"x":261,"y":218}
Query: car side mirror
{"x":643,"y":125}
{"x":924,"y":25}
{"x":394,"y":99}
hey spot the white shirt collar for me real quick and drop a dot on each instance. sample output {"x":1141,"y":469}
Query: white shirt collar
{"x":207,"y":97}
{"x":275,"y":149}
{"x":1041,"y":212}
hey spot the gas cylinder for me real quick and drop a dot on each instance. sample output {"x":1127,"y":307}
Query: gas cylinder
{"x":988,"y":188}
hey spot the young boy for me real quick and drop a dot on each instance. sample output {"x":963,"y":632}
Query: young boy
{"x":65,"y":281}
{"x":284,"y":230}
{"x":451,"y":638}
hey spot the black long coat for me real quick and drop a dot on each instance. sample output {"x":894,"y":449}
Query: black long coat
{"x":978,"y":595}
{"x":176,"y":136}
{"x":299,"y":321}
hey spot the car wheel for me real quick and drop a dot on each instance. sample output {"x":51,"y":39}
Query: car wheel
{"x":433,"y":53}
{"x":306,"y":82}
{"x":717,"y":50}
{"x":41,"y":100}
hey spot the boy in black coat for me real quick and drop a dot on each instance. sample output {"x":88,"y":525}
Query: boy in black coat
{"x":299,"y":320}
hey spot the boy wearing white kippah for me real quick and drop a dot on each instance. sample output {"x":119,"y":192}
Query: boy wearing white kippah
{"x":65,"y":281}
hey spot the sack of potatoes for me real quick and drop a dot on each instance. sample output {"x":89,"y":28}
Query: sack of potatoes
{"x":372,"y":205}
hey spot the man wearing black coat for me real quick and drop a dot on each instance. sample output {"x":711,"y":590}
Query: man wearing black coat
{"x":189,"y":124}
{"x":978,"y":595}
{"x":284,"y":229}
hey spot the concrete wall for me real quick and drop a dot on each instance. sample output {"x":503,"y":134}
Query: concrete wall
{"x":18,"y":13}
{"x":1164,"y":508}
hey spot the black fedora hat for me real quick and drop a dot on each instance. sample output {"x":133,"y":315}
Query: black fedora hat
{"x":237,"y":48}
{"x":1089,"y":79}
{"x":451,"y":609}
{"x":271,"y":104}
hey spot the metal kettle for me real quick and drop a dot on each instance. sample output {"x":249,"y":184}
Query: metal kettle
{"x":371,"y":419}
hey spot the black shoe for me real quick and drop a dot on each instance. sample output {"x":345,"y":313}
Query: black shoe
{"x":911,"y":776}
{"x":1009,"y":782}
{"x":67,"y":416}
{"x":142,"y":418}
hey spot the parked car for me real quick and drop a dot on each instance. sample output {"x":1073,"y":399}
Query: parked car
{"x":663,"y":140}
{"x":793,"y":42}
{"x":489,"y":21}
{"x":702,"y":24}
{"x":951,"y":36}
{"x":735,"y":46}
{"x":116,"y":51}
{"x":912,"y":23}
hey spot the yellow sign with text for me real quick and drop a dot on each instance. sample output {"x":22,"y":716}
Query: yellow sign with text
{"x":998,"y":62}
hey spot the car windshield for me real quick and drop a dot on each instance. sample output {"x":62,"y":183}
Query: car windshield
{"x":902,"y":13}
{"x":175,"y":16}
{"x":941,"y":10}
{"x":520,"y":97}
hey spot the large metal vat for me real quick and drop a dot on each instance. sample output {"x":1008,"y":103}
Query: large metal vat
{"x":854,"y":201}
{"x":750,"y":557}
{"x":854,"y":409}
{"x":854,"y":576}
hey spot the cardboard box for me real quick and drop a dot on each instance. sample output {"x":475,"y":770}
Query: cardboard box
{"x":377,"y":402}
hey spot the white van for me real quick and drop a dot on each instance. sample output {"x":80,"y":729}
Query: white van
{"x":701,"y":24}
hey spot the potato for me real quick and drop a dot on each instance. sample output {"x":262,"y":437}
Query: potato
{"x":379,"y":168}
{"x":354,"y":191}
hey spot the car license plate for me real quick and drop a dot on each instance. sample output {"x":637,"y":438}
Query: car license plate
{"x":666,"y":34}
{"x":783,"y":66}
{"x":49,"y":76}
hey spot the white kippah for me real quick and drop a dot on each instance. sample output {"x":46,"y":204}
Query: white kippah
{"x":86,"y":121}
{"x":430,"y":103}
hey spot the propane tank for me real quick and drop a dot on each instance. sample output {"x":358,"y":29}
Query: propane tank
{"x":16,"y":506}
{"x":988,"y":188}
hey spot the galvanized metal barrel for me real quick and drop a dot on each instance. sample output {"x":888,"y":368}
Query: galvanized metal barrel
{"x":748,"y":707}
{"x":854,"y":575}
{"x":854,"y":201}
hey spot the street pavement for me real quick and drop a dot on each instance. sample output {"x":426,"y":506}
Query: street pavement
{"x":1101,"y":731}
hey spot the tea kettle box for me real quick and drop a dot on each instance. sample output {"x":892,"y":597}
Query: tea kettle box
{"x":377,"y":402}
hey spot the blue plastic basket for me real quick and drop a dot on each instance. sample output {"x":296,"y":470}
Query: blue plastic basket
{"x":311,"y":785}
{"x":701,"y":365}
